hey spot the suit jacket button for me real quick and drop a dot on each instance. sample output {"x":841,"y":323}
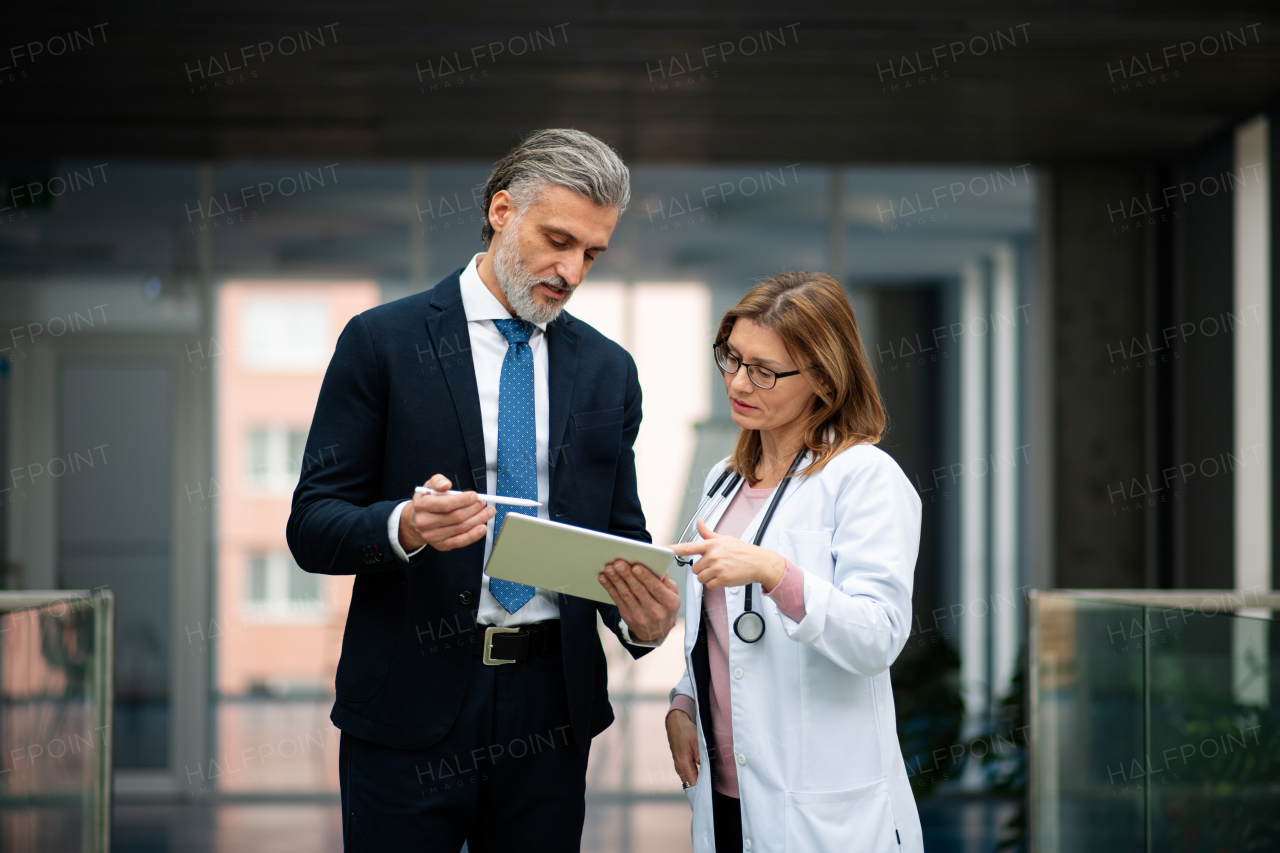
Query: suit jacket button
{"x":464,"y":597}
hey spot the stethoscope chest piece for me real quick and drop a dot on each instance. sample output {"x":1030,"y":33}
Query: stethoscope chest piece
{"x":749,"y":626}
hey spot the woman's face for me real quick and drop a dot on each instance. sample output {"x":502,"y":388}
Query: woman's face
{"x":787,"y":403}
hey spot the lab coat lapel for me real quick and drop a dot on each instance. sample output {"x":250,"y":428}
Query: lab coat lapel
{"x":797,"y":483}
{"x":693,"y":589}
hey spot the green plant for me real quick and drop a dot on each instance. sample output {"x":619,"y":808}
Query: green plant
{"x":930,"y":710}
{"x":1006,"y":767}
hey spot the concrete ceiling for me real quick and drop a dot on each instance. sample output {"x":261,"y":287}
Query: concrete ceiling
{"x":1048,"y":85}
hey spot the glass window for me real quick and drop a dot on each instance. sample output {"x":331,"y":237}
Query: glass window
{"x":304,"y":587}
{"x":286,"y":334}
{"x":122,"y":536}
{"x":258,"y":568}
{"x":259,"y":454}
{"x":297,"y":446}
{"x":279,"y":590}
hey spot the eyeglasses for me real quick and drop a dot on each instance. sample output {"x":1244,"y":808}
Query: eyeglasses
{"x":761,"y":377}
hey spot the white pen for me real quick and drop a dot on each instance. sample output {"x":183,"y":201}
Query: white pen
{"x":489,"y":499}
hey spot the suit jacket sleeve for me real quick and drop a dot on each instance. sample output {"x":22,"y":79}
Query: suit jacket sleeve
{"x":625,"y":517}
{"x":336,"y":525}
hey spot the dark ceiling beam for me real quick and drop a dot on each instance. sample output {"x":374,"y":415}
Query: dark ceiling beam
{"x":822,"y":96}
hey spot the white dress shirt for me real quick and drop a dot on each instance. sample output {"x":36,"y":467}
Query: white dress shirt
{"x":488,"y":350}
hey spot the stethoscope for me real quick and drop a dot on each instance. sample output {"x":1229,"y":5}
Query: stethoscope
{"x":749,"y":626}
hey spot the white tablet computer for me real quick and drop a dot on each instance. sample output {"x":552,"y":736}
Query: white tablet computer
{"x":564,"y":558}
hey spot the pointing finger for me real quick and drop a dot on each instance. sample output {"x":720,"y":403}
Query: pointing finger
{"x":706,"y":532}
{"x":687,"y":548}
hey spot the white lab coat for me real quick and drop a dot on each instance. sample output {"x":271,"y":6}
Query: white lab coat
{"x":814,"y":733}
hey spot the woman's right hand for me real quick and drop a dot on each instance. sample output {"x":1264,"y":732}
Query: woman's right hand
{"x":682,"y":735}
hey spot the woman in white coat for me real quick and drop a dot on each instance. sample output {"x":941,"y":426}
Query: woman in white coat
{"x":788,"y":741}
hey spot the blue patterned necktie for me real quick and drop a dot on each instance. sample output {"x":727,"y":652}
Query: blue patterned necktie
{"x":517,"y":445}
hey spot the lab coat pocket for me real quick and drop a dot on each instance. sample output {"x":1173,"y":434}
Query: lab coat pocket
{"x":859,"y":819}
{"x":811,"y":551}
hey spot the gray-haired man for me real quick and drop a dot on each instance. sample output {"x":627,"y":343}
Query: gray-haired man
{"x":467,"y":706}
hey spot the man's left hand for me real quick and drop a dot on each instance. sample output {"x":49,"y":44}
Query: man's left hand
{"x":647,"y":603}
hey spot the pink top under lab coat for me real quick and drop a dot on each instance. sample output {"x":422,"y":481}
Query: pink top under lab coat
{"x":788,"y":595}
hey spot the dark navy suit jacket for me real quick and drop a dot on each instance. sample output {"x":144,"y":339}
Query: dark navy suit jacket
{"x":399,"y":404}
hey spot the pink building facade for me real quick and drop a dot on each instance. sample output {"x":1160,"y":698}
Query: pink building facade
{"x":280,"y":629}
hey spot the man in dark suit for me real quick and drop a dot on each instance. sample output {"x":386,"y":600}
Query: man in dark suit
{"x":467,"y":705}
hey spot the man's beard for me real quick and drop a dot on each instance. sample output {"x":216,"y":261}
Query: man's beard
{"x":517,"y":283}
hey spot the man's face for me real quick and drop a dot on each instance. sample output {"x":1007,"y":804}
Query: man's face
{"x":556,"y":240}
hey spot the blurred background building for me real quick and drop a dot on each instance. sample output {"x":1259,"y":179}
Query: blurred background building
{"x":1054,"y":223}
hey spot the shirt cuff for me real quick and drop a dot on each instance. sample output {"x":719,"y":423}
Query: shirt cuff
{"x":789,"y":593}
{"x":681,"y":702}
{"x":393,"y":533}
{"x":627,"y":638}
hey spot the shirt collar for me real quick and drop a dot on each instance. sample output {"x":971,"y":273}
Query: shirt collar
{"x":477,"y":301}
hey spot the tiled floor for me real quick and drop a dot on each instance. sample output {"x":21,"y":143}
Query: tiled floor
{"x":227,"y":829}
{"x":951,"y":825}
{"x":962,"y":824}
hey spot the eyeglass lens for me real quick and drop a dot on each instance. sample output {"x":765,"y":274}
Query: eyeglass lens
{"x":761,"y":377}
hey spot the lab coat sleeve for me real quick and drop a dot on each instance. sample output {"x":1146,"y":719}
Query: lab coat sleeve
{"x":861,"y":619}
{"x":684,"y":688}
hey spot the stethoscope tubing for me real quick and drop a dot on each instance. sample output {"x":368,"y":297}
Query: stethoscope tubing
{"x":698,"y":514}
{"x":749,"y":626}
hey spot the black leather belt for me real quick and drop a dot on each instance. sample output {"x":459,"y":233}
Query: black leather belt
{"x":509,"y":645}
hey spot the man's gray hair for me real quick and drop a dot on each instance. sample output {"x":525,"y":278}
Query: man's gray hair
{"x":563,"y":157}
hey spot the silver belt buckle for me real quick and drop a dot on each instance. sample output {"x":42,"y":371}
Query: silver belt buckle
{"x":487,"y":657}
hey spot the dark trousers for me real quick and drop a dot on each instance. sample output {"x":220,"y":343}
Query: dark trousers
{"x":507,"y":776}
{"x":726,"y":813}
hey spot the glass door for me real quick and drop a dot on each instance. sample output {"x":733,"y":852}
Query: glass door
{"x":115,"y":506}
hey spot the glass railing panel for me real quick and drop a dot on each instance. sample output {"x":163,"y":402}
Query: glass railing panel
{"x":1087,"y":721}
{"x":55,"y":721}
{"x":1214,"y":761}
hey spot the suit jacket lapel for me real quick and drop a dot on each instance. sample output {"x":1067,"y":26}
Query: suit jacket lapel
{"x":451,"y":348}
{"x":562,"y":366}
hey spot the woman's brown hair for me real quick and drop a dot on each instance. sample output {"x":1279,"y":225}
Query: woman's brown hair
{"x":812,"y":315}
